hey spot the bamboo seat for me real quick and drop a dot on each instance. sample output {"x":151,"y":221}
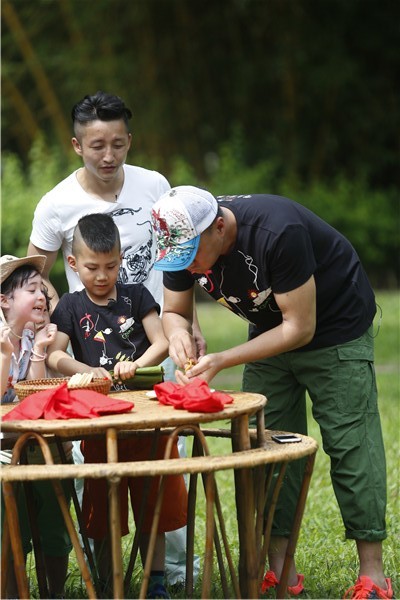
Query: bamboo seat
{"x":196,"y":464}
{"x":270,"y":453}
{"x":252,"y":450}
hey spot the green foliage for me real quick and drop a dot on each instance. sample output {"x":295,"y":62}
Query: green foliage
{"x":21,"y":190}
{"x":311,"y":82}
{"x":369,"y":218}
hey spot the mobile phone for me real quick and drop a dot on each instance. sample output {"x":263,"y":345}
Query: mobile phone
{"x":286,"y":438}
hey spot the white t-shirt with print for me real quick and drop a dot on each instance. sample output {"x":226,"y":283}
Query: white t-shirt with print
{"x":59,"y":210}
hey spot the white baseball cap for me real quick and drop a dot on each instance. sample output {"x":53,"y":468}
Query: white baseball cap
{"x":179,"y":218}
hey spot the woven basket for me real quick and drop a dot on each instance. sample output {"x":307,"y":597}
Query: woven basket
{"x":30,"y":386}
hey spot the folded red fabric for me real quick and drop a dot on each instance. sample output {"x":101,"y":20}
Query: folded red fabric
{"x":63,"y":403}
{"x":196,"y":396}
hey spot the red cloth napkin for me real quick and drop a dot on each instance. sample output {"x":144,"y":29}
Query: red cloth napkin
{"x":62,"y":403}
{"x":196,"y":396}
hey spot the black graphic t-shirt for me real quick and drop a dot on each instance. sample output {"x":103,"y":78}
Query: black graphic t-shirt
{"x":279,"y":245}
{"x":101,"y":336}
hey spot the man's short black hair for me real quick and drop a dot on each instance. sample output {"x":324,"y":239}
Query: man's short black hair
{"x":100,"y":106}
{"x":99,"y":232}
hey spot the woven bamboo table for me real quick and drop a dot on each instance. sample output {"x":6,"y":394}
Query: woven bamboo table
{"x":252,"y":450}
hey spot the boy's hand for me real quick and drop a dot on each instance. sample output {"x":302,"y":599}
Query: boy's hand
{"x":124,"y":370}
{"x":99,"y":372}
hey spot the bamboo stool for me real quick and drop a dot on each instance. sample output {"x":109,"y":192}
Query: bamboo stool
{"x":240,"y":461}
{"x":248,"y":462}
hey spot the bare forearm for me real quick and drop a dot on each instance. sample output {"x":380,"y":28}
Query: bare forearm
{"x":51,"y":257}
{"x":172,"y":323}
{"x":280,"y":339}
{"x":37,"y":369}
{"x":53,"y":294}
{"x":37,"y":365}
{"x":153,"y":355}
{"x":271,"y":343}
{"x":67,"y":365}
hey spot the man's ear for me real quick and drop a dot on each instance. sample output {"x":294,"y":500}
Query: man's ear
{"x":76,"y":146}
{"x":220,"y":223}
{"x":72,"y":262}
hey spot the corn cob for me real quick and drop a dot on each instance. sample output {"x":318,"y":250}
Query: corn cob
{"x":145,"y":378}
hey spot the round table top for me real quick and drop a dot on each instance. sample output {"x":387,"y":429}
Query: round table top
{"x":146,"y":414}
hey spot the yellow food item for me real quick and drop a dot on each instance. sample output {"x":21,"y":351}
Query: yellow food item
{"x":189,"y":364}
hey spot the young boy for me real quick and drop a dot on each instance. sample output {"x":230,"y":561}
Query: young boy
{"x":114,"y":326}
{"x":23,"y":353}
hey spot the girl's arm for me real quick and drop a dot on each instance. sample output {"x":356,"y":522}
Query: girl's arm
{"x":154,"y":355}
{"x":59,"y":360}
{"x":6,"y":350}
{"x":43,"y":338}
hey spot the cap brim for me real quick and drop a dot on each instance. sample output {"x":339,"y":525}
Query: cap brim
{"x":179,"y":257}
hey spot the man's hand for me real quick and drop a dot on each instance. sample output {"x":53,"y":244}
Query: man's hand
{"x":182,"y":347}
{"x":207,"y":368}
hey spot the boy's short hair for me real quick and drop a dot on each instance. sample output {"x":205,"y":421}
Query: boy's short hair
{"x":100,"y":106}
{"x":98,"y":231}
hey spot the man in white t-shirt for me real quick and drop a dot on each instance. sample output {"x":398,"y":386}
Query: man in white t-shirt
{"x":105,"y":184}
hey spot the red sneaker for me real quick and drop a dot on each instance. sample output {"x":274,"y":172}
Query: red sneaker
{"x":270,"y":581}
{"x":365,"y":588}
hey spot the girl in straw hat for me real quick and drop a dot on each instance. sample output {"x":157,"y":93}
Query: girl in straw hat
{"x":22,"y":300}
{"x":23,"y":354}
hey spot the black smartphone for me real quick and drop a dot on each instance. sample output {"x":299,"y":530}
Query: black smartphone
{"x":286,"y":438}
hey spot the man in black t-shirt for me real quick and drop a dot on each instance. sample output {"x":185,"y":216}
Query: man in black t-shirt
{"x":300,"y":285}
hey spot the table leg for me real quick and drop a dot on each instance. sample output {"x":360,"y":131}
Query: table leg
{"x":11,"y":522}
{"x":245,"y":508}
{"x":208,"y":555}
{"x":114,"y":516}
{"x":140,"y":518}
{"x":5,"y":555}
{"x":36,"y":543}
{"x":291,"y":547}
{"x":190,"y":531}
{"x":260,"y":428}
{"x":78,"y":513}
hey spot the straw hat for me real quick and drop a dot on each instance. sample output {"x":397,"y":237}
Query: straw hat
{"x":9,"y":263}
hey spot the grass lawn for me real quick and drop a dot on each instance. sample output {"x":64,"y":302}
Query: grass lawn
{"x":328,"y":562}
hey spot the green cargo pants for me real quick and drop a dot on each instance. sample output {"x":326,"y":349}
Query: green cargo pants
{"x":341,"y":383}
